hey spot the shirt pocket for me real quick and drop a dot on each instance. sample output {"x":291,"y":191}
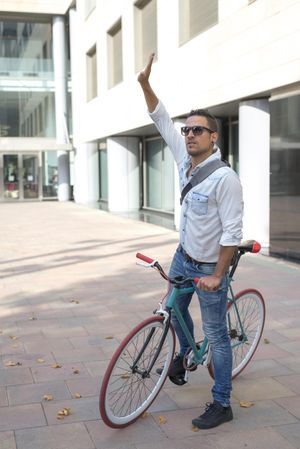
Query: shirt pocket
{"x":199,"y":203}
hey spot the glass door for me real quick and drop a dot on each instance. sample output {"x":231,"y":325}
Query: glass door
{"x":30,"y":165}
{"x":11,"y":177}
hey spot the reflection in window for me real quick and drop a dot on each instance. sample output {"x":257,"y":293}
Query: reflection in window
{"x":25,"y":48}
{"x":115,"y":54}
{"x":159,"y":174}
{"x":145,"y":31}
{"x":27,"y":114}
{"x":195,"y":17}
{"x":285,"y":179}
{"x":103,"y":173}
{"x":11,"y":176}
{"x":50,"y":174}
{"x":25,"y":65}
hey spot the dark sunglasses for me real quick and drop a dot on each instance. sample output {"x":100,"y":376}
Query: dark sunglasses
{"x":196,"y":130}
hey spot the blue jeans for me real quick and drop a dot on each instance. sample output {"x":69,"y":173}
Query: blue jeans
{"x":213,"y":307}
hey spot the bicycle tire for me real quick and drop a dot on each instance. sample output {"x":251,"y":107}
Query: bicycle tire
{"x":252,"y":311}
{"x":125,"y":395}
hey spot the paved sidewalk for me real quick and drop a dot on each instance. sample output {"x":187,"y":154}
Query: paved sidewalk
{"x":70,"y":291}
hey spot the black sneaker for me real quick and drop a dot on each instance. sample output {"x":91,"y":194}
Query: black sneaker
{"x":214,"y":415}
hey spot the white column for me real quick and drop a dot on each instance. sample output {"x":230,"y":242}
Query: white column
{"x":60,"y":82}
{"x":254,"y":165}
{"x":86,"y":189}
{"x":123,"y":174}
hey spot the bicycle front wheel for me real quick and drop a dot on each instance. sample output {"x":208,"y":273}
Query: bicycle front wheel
{"x":245,"y":323}
{"x":128,"y":388}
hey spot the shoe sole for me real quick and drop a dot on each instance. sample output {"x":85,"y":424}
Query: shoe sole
{"x":204,"y":426}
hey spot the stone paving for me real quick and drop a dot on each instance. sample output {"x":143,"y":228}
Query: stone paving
{"x":70,"y":291}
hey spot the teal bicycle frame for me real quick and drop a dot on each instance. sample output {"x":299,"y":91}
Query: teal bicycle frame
{"x":199,"y":355}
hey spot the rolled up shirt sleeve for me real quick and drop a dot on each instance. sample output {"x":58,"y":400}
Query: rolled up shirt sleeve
{"x":167,"y":130}
{"x":229,"y":196}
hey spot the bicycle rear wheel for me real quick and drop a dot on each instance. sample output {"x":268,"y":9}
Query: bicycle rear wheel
{"x":125,"y":393}
{"x":244,"y":341}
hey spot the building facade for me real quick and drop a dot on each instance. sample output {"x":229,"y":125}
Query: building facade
{"x":239,"y":58}
{"x":34,"y":97}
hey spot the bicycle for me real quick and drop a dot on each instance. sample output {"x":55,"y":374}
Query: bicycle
{"x":140,"y":365}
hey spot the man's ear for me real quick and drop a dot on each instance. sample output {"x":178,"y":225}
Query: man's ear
{"x":214,"y":137}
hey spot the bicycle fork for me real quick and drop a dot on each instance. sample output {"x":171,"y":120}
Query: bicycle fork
{"x":145,"y":373}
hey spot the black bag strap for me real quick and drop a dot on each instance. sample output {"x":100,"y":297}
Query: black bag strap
{"x":202,"y":174}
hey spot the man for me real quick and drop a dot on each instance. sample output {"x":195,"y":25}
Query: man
{"x":210,"y":230}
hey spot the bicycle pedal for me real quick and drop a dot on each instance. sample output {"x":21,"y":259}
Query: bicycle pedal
{"x":178,"y":380}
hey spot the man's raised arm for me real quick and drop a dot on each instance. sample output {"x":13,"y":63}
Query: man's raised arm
{"x":143,"y":79}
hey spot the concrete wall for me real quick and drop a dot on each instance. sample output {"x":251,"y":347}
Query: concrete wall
{"x":253,"y":50}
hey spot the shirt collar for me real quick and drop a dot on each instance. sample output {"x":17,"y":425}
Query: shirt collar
{"x":216,"y":155}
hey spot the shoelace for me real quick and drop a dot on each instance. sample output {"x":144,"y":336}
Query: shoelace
{"x":210,"y":409}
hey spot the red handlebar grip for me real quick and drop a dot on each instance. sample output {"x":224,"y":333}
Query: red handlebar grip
{"x":144,"y":258}
{"x":256,"y":247}
{"x":196,"y":280}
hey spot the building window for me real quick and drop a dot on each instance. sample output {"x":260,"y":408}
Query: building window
{"x":50,"y":174}
{"x":114,"y":52}
{"x":103,"y":172}
{"x":90,"y":5}
{"x":158,"y":176}
{"x":91,"y":67}
{"x":196,"y":16}
{"x":284,"y":179}
{"x":145,"y":21}
{"x":26,"y":64}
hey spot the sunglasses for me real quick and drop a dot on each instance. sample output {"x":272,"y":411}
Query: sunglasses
{"x":196,"y":130}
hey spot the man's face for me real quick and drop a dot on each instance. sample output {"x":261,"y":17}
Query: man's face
{"x":199,"y":144}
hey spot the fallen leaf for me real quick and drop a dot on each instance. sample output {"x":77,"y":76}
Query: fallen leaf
{"x":12,"y":363}
{"x":40,"y":360}
{"x":75,"y":301}
{"x":48,"y":397}
{"x":13,"y":337}
{"x":266,"y":341}
{"x":32,"y":318}
{"x":162,"y":419}
{"x":125,"y":376}
{"x":77,"y":395}
{"x":246,"y":404}
{"x":109,"y":337}
{"x":60,"y":417}
{"x":144,"y":415}
{"x":56,"y":365}
{"x":64,"y":412}
{"x":76,"y":371}
{"x":195,"y":429}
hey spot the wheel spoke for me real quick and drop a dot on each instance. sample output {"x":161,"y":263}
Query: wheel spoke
{"x":245,"y":328}
{"x":126,"y":392}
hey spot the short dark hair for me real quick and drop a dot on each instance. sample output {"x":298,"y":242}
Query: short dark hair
{"x":211,"y":119}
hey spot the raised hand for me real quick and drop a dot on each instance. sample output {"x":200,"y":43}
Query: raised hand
{"x":143,"y":76}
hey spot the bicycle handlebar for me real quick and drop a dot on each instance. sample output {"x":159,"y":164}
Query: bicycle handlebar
{"x":251,"y":246}
{"x":144,"y":258}
{"x":156,"y":265}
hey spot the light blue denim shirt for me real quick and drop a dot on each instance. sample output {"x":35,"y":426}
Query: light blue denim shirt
{"x":212,"y":211}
